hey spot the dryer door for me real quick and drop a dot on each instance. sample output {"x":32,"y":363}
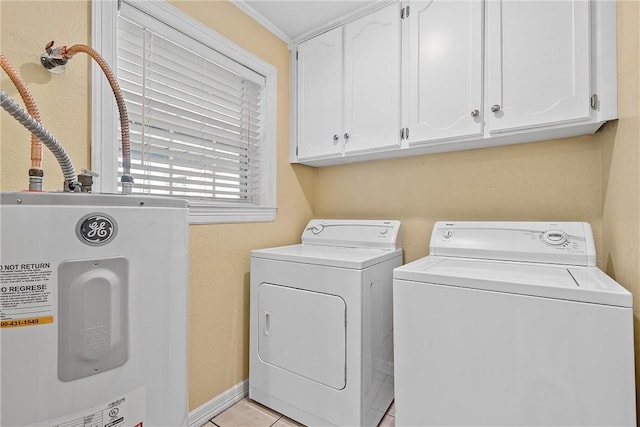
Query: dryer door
{"x":303,"y":332}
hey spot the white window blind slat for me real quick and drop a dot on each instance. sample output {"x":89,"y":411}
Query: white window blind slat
{"x":181,"y":165}
{"x":137,"y":18}
{"x":158,"y":156}
{"x":173,"y":87}
{"x":172,"y":59}
{"x":159,"y":81}
{"x":168,"y":66}
{"x":172,"y":96}
{"x":235,"y":125}
{"x":135,"y":97}
{"x":163,"y":138}
{"x":173,"y":178}
{"x":184,"y":161}
{"x":158,"y":120}
{"x":186,"y":192}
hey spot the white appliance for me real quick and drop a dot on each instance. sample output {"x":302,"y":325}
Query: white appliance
{"x":512,"y":324}
{"x":321,"y":347}
{"x":93,"y":310}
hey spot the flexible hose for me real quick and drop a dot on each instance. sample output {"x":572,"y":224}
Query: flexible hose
{"x":32,"y":108}
{"x":21,"y":115}
{"x":122,"y":109}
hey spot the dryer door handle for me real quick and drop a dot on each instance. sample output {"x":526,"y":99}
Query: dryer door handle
{"x":267,"y":323}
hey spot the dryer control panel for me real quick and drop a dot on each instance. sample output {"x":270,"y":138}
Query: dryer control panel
{"x":380,"y":234}
{"x":569,"y":243}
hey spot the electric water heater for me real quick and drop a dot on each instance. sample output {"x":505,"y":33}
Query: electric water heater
{"x":93,"y":310}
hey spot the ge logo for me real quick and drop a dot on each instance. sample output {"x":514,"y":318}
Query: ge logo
{"x":96,"y":229}
{"x":114,"y":412}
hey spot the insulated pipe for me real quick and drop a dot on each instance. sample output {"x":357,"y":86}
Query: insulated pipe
{"x":35,"y":173}
{"x":12,"y":107}
{"x":60,"y":56}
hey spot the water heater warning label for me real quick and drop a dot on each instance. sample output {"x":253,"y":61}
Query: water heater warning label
{"x":25,"y":294}
{"x":113,"y":415}
{"x":123,"y":411}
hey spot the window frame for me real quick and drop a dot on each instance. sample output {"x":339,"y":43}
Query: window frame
{"x":104,"y":113}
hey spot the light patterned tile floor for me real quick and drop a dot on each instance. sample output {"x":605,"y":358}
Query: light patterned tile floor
{"x":248,"y":413}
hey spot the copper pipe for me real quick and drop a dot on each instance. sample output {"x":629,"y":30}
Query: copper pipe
{"x":122,"y":109}
{"x":32,"y":108}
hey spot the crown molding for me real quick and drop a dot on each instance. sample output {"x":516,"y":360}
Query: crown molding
{"x":243,"y":6}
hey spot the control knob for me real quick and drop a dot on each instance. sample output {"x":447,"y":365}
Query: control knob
{"x":554,"y":237}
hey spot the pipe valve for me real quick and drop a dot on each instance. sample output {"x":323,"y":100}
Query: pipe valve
{"x":54,"y":59}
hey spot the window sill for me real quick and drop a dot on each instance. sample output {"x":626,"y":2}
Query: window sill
{"x":202,"y":213}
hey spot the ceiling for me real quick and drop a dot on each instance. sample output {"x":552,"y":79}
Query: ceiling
{"x":291,"y":19}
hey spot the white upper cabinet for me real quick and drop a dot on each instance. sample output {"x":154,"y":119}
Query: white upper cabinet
{"x":445,"y":70}
{"x":350,"y":105}
{"x":538,"y":63}
{"x":320,"y":95}
{"x":473,"y":74}
{"x":372,"y":81}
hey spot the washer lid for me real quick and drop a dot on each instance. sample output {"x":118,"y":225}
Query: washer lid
{"x":585,"y":284}
{"x":332,"y":256}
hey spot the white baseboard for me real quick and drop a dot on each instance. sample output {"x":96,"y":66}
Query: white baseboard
{"x":205,"y":412}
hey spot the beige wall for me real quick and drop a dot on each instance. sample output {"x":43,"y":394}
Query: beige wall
{"x":621,"y":170}
{"x":219,"y":267}
{"x":593,"y":178}
{"x":62,"y":100}
{"x":556,"y":180}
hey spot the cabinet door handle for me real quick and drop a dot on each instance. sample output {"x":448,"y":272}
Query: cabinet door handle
{"x":475,"y":113}
{"x":346,"y":136}
{"x":495,"y":108}
{"x":335,"y":138}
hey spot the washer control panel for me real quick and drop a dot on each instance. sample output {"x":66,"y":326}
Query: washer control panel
{"x":568,"y":243}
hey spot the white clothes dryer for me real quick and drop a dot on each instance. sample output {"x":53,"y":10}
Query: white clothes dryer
{"x":321,"y":338}
{"x":512,"y":324}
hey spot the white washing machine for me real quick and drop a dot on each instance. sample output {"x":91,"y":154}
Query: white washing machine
{"x":321,"y":347}
{"x":512,"y":324}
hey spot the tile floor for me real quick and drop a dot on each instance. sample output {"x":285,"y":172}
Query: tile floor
{"x":248,"y":413}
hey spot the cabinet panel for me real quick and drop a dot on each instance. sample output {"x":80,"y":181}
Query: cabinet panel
{"x":320,"y":95}
{"x":445,"y":69}
{"x":372,"y":80}
{"x":538,"y":63}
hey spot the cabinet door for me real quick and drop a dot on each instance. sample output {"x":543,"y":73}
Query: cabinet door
{"x":445,"y":70}
{"x":320,"y":95}
{"x":372,"y":81}
{"x":538,"y":63}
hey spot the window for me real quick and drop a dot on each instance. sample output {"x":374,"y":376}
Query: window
{"x":201,"y":112}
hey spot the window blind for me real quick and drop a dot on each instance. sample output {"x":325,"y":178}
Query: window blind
{"x":195,"y":116}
